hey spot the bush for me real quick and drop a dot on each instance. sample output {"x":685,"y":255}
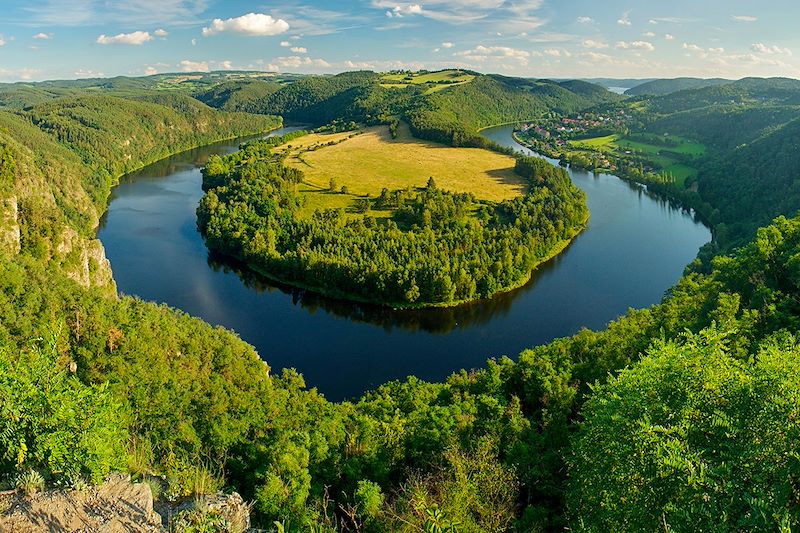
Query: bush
{"x":52,"y":422}
{"x":692,"y":439}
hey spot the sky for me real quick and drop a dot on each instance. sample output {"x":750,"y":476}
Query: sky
{"x":65,"y":39}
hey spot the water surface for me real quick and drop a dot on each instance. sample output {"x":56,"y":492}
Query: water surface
{"x":635,"y":248}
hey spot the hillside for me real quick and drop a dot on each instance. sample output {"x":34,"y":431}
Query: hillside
{"x":696,"y":396}
{"x":449,"y":107}
{"x":237,"y":95}
{"x":64,"y":155}
{"x":668,"y":86}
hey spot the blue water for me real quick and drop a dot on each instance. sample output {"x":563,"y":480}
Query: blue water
{"x":635,"y":248}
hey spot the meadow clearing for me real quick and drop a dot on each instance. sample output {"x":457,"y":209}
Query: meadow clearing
{"x":365,"y":163}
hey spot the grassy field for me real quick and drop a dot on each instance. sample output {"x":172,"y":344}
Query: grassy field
{"x":436,"y":81}
{"x":656,"y":153}
{"x":366,"y":163}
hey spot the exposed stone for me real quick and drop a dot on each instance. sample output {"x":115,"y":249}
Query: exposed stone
{"x":84,"y":260}
{"x":116,"y":506}
{"x":9,"y":226}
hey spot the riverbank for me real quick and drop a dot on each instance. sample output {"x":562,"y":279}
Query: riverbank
{"x":403,"y":306}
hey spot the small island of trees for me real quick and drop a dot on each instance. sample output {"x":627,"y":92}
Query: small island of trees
{"x":437,"y":248}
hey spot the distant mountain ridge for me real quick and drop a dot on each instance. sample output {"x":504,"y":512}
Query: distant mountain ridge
{"x":668,"y":86}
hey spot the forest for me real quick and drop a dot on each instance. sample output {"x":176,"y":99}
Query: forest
{"x":662,"y":421}
{"x":438,"y":247}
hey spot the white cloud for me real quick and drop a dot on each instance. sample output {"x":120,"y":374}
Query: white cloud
{"x":585,"y":20}
{"x":597,"y":45}
{"x":299,"y":49}
{"x":649,"y":34}
{"x":635,"y":45}
{"x":762,"y":48}
{"x":150,"y":71}
{"x":86,"y":73}
{"x":298,"y":62}
{"x":555,"y":52}
{"x":135,"y":38}
{"x":252,"y":24}
{"x":24,"y":74}
{"x":2,"y":41}
{"x":744,"y":18}
{"x":161,"y":34}
{"x":194,"y":66}
{"x":286,"y":44}
{"x":507,"y":16}
{"x":194,"y":42}
{"x":447,"y":45}
{"x":400,"y":11}
{"x":625,"y":20}
{"x":692,"y":47}
{"x":669,"y":37}
{"x":359,"y":65}
{"x":495,"y":53}
{"x":43,"y":36}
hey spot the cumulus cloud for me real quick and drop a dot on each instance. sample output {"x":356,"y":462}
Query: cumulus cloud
{"x":649,"y":34}
{"x":744,"y":18}
{"x":194,"y":66}
{"x":150,"y":71}
{"x":2,"y":41}
{"x":161,"y":34}
{"x":585,"y":20}
{"x":298,"y":62}
{"x":591,"y":43}
{"x":400,"y":11}
{"x":762,"y":48}
{"x":484,"y":53}
{"x":43,"y":36}
{"x":635,"y":45}
{"x":136,"y":38}
{"x":669,"y":37}
{"x":252,"y":24}
{"x":447,"y":45}
{"x":625,"y":19}
{"x":286,"y":44}
{"x":555,"y":52}
{"x":299,"y":49}
{"x":86,"y":73}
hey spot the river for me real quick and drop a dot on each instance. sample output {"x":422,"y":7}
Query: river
{"x":635,"y":248}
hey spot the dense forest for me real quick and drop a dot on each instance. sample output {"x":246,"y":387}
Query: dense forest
{"x":438,"y":248}
{"x":451,"y":116}
{"x":680,"y":417}
{"x":659,"y":87}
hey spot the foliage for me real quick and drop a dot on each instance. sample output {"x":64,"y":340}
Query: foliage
{"x":692,"y":439}
{"x":53,"y":422}
{"x":30,"y":482}
{"x":432,"y":252}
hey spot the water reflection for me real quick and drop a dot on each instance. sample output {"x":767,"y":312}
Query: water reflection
{"x":438,"y":321}
{"x":635,"y":248}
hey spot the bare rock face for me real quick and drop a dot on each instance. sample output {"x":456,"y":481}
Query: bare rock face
{"x":117,"y":506}
{"x":231,"y":513}
{"x":9,"y":226}
{"x":84,"y":260}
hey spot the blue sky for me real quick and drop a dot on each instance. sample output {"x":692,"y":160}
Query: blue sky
{"x":49,"y":39}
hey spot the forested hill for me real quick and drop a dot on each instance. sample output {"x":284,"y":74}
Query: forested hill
{"x":442,"y":112}
{"x":61,"y":158}
{"x":668,"y":86}
{"x":751,"y":170}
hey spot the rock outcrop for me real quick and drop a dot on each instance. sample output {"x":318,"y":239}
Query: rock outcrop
{"x":9,"y":226}
{"x":116,"y":506}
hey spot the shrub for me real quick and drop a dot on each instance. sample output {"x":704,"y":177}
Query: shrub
{"x":50,"y":421}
